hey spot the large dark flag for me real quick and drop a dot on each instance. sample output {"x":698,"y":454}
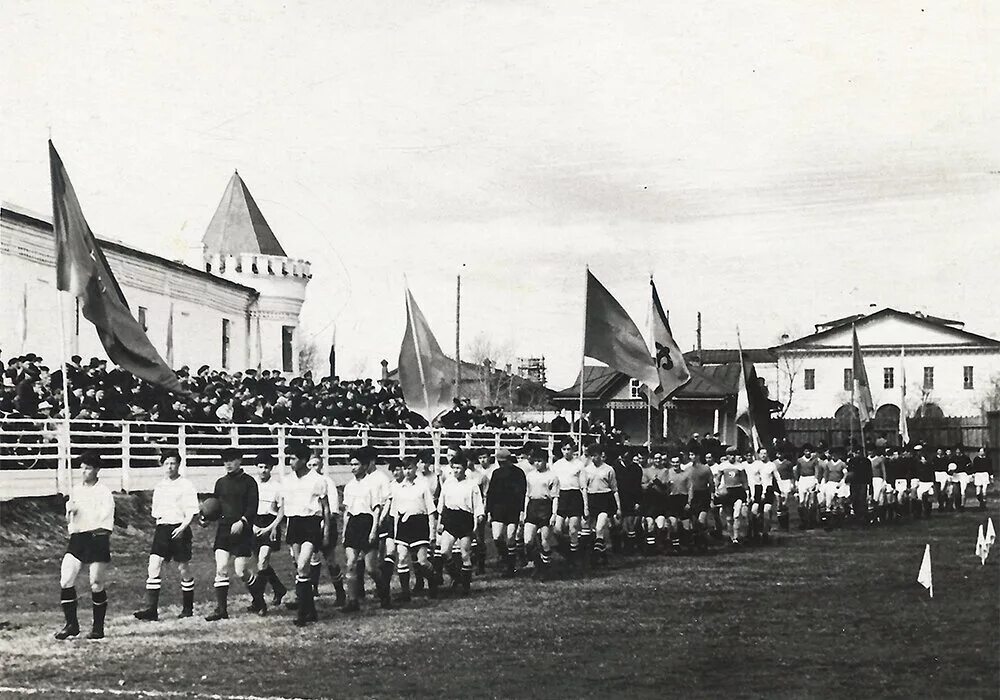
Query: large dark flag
{"x":83,"y":271}
{"x":753,"y":412}
{"x":426,"y":374}
{"x":612,"y":337}
{"x":862,"y":391}
{"x":670,"y":365}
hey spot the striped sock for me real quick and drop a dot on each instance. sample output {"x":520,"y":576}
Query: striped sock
{"x":187,"y":594}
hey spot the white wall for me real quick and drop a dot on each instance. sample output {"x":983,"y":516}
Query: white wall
{"x":27,"y":257}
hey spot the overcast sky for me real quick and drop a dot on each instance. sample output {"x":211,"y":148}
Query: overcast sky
{"x":775,"y":164}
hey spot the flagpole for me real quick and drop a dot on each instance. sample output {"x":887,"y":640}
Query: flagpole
{"x":67,"y":449}
{"x":583,"y":351}
{"x":458,"y":332}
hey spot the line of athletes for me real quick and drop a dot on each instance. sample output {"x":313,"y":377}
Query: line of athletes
{"x":653,"y":503}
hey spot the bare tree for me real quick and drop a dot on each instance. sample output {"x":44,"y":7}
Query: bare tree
{"x":309,"y":355}
{"x":788,"y":369}
{"x":991,"y":397}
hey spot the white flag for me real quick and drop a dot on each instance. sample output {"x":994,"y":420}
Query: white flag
{"x":924,"y":576}
{"x":982,"y":551}
{"x":991,"y":534}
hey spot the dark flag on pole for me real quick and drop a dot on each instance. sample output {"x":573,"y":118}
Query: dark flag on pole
{"x":83,"y":271}
{"x":862,"y":390}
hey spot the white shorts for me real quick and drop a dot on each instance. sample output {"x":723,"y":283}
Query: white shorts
{"x":941,"y":478}
{"x":902,"y":486}
{"x":981,"y":479}
{"x":785,"y":486}
{"x":878,"y":488}
{"x":835,"y":489}
{"x":962,"y":479}
{"x":807,"y":484}
{"x":925,"y":488}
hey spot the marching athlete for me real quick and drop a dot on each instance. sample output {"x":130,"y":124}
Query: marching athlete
{"x":981,"y":476}
{"x":305,"y":503}
{"x":733,"y":490}
{"x":628,"y":474}
{"x":702,"y":483}
{"x":175,"y":503}
{"x":541,"y":504}
{"x":91,"y":514}
{"x":879,"y":481}
{"x":234,"y":539}
{"x":678,"y":488}
{"x":460,"y":507}
{"x":785,"y":469}
{"x":603,"y":499}
{"x":573,"y":507}
{"x":413,"y":513}
{"x":923,"y":475}
{"x":267,"y":527}
{"x":807,"y":483}
{"x":654,"y":497}
{"x":481,"y":471}
{"x":364,"y":500}
{"x":762,"y":476}
{"x":504,"y":504}
{"x":833,"y":486}
{"x":328,"y":551}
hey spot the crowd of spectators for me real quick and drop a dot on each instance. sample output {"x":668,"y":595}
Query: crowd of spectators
{"x":102,"y":392}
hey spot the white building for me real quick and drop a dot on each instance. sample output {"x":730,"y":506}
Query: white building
{"x":234,"y":304}
{"x":948,"y":370}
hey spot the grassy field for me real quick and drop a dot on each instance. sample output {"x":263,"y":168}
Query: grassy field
{"x":817,"y":614}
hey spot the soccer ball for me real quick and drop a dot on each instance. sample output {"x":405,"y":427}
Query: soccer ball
{"x":211,"y":509}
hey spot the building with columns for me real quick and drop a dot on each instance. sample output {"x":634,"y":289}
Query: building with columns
{"x":232,"y":304}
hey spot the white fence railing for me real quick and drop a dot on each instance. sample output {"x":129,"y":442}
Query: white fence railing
{"x":33,"y":453}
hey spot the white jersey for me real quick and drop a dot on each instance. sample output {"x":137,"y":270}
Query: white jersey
{"x":571,"y":474}
{"x":267,"y":495}
{"x":761,"y":473}
{"x":411,"y":498}
{"x":461,"y":495}
{"x":302,"y":496}
{"x":361,"y":496}
{"x":95,"y":508}
{"x":381,"y":485}
{"x":174,"y":501}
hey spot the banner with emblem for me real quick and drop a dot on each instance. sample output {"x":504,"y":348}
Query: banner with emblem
{"x":671,"y":368}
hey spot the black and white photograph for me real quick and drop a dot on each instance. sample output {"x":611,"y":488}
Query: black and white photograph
{"x":499,"y":350}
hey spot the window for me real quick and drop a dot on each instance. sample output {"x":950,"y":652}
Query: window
{"x":848,"y":379}
{"x":634,"y":389}
{"x":889,"y":377}
{"x":967,"y":382}
{"x":809,"y":379}
{"x":928,"y":377}
{"x":142,"y":318}
{"x":225,"y":343}
{"x":287,"y":336}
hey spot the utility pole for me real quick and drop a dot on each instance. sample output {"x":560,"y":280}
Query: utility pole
{"x":458,"y":336}
{"x":698,"y":332}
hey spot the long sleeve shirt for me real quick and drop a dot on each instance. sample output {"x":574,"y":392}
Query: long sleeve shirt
{"x":859,"y":471}
{"x":95,"y":508}
{"x":461,"y":495}
{"x":174,"y":501}
{"x":507,"y":487}
{"x":237,"y":492}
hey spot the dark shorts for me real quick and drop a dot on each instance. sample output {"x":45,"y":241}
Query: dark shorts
{"x":305,"y":528}
{"x":165,"y":546}
{"x":631,"y":503}
{"x":570,"y":503}
{"x":241,"y":545}
{"x":358,"y":531}
{"x":90,"y":547}
{"x":415,"y":531}
{"x":386,"y":527}
{"x":654,"y":504}
{"x":458,"y":523}
{"x":763,"y":495}
{"x":539,"y":512}
{"x":729,"y":497}
{"x":701,"y":502}
{"x":274,"y":540}
{"x":506,"y":513}
{"x":676,"y":503}
{"x":602,"y":503}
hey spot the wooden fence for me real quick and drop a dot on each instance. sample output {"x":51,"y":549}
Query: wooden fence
{"x":970,"y":431}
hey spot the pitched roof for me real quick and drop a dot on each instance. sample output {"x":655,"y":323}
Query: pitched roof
{"x":598,"y":383}
{"x":933,"y":321}
{"x":726,"y":355}
{"x":238,"y":226}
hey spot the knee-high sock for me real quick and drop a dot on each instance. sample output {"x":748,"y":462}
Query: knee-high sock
{"x":187,"y":594}
{"x":222,"y":594}
{"x":152,"y":593}
{"x":100,"y":603}
{"x":67,"y":599}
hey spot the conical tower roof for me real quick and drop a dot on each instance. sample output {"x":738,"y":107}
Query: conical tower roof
{"x":238,"y":225}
